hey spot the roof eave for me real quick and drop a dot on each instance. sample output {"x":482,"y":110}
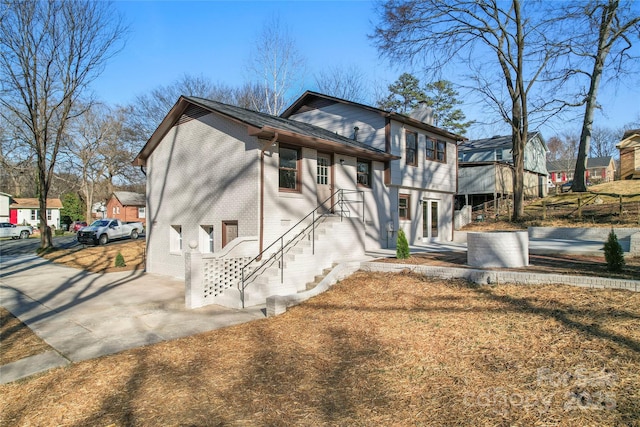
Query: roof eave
{"x":290,"y":137}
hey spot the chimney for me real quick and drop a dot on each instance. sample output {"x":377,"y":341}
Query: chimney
{"x":422,"y":113}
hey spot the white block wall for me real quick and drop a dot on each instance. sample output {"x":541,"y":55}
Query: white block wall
{"x":204,"y":172}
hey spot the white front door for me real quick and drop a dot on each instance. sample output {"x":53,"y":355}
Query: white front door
{"x":430,"y":212}
{"x":323,"y":181}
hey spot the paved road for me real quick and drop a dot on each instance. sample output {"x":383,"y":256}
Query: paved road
{"x":9,"y":248}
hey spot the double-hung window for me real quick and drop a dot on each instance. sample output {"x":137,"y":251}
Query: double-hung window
{"x":289,"y":169}
{"x":364,"y":173}
{"x":441,"y":151}
{"x":436,"y":150}
{"x":404,"y":202}
{"x":411,"y":147}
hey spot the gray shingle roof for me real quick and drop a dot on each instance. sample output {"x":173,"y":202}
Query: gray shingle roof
{"x":128,"y":198}
{"x":494,"y":142}
{"x":592,"y":162}
{"x":598,"y":162}
{"x":260,"y":120}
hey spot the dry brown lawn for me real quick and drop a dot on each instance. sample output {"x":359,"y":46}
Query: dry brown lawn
{"x":377,"y":349}
{"x":16,"y":340}
{"x":101,"y":259}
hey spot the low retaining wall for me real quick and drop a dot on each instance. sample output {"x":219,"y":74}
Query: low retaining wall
{"x":278,"y":304}
{"x":494,"y":277}
{"x":571,"y":233}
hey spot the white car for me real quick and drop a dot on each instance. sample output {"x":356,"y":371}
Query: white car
{"x":15,"y":231}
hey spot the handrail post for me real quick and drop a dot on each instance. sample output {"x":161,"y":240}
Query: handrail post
{"x":282,"y":259}
{"x":362,"y":195}
{"x":242,"y":288}
{"x":313,"y":233}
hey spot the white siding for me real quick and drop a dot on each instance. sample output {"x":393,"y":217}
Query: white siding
{"x":428,"y":174}
{"x":535,"y":157}
{"x":4,"y":207}
{"x":24,"y":216}
{"x":343,"y":118}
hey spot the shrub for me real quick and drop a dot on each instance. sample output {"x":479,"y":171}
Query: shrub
{"x":402,"y":248}
{"x":59,"y":232}
{"x":613,"y":253}
{"x":120,"y":260}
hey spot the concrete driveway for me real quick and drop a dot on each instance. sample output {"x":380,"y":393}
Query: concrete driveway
{"x":85,"y":315}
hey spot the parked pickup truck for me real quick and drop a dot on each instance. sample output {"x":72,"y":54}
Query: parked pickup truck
{"x":15,"y":231}
{"x":104,"y":230}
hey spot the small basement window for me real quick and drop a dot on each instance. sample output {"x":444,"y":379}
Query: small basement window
{"x":175,"y":238}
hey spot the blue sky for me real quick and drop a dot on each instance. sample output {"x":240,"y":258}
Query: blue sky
{"x":213,"y":38}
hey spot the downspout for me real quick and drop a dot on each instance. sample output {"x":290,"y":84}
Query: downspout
{"x":262,"y":150}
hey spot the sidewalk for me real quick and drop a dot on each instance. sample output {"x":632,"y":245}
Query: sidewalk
{"x":85,"y":315}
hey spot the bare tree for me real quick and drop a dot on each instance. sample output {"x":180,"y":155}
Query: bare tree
{"x":100,"y":148}
{"x":503,"y":39}
{"x":554,"y":144}
{"x":50,"y":52}
{"x":342,"y":82}
{"x":603,"y":141}
{"x":609,"y":25}
{"x":152,"y":107}
{"x":276,"y":65}
{"x":86,"y":136}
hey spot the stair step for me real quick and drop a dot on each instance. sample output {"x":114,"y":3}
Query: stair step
{"x":319,"y":278}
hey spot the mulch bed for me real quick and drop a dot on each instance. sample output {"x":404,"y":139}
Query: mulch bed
{"x":575,"y":265}
{"x":377,"y":349}
{"x":17,"y":341}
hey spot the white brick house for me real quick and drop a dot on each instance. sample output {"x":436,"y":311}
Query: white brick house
{"x":224,"y":183}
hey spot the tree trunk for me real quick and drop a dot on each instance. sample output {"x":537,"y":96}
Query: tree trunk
{"x":45,"y":231}
{"x":518,"y":175}
{"x":579,"y":177}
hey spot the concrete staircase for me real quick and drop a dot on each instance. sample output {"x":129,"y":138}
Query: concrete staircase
{"x":335,"y":239}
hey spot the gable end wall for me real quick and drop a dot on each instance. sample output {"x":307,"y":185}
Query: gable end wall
{"x":204,"y":171}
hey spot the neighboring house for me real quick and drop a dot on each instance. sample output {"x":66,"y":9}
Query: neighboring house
{"x":599,"y":169}
{"x":98,"y":211}
{"x":127,"y":206}
{"x":629,"y":148}
{"x":5,"y":201}
{"x":26,"y":211}
{"x":230,"y":181}
{"x":485,"y":169}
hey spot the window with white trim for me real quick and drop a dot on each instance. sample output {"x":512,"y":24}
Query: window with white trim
{"x":206,"y":238}
{"x":175,"y":238}
{"x":142,"y":212}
